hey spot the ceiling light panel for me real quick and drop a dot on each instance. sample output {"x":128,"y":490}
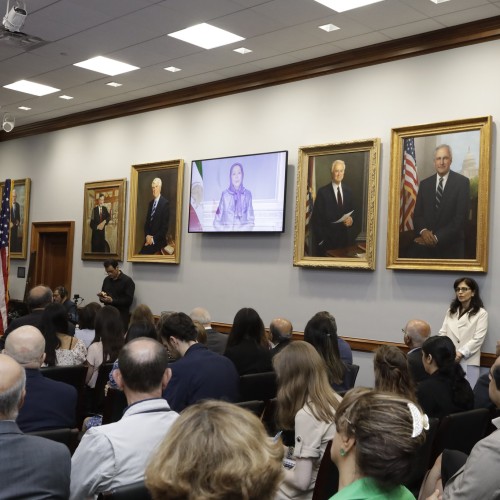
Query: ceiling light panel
{"x":106,"y":66}
{"x":31,"y":88}
{"x":172,"y":69}
{"x":242,"y":50}
{"x":343,"y":5}
{"x":328,"y":27}
{"x":439,"y":1}
{"x":206,"y":36}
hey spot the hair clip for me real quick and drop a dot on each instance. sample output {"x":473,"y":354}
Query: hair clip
{"x":420,"y":420}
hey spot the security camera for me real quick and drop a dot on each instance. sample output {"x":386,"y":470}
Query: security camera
{"x":15,"y":17}
{"x":8,"y":122}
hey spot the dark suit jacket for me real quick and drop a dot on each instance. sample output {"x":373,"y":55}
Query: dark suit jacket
{"x":98,"y":243}
{"x":416,"y":366}
{"x":34,"y":318}
{"x":48,"y":404}
{"x":216,"y":341}
{"x":448,"y":222}
{"x":33,"y":468}
{"x":201,"y":374}
{"x":248,"y":357}
{"x":157,"y":226}
{"x":326,"y":211}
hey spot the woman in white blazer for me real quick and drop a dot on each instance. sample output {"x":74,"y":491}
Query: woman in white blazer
{"x":466,"y":324}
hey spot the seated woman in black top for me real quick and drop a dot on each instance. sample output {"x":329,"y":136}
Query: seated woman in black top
{"x":247,"y":345}
{"x":446,"y":390}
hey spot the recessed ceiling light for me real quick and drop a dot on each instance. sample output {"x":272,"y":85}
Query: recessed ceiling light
{"x":343,"y":5}
{"x":24,"y":108}
{"x":328,"y":27}
{"x":66,"y":97}
{"x":439,"y":1}
{"x":31,"y":88}
{"x":114,"y":84}
{"x":242,"y":50}
{"x":206,"y":36}
{"x":106,"y":66}
{"x":172,"y":69}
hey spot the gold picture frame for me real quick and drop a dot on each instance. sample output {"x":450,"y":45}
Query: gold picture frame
{"x":458,"y":225}
{"x":321,"y":238}
{"x":162,"y":219}
{"x":104,"y":219}
{"x":19,"y":217}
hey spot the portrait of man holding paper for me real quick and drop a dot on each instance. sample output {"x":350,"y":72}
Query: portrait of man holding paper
{"x":338,"y":192}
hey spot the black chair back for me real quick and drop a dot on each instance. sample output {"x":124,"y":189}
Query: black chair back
{"x":136,"y":491}
{"x":327,"y":480}
{"x":115,"y":403}
{"x":461,"y":431}
{"x":97,"y":403}
{"x":66,"y":436}
{"x":351,"y":375}
{"x":75,"y":376}
{"x":256,"y":407}
{"x":258,"y":386}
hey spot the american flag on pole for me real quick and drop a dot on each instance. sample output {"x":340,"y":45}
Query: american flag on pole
{"x":409,"y":185}
{"x":309,"y":205}
{"x":4,"y":254}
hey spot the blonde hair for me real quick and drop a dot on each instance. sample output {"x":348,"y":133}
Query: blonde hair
{"x":215,"y":451}
{"x":382,"y":425}
{"x":303,"y":378}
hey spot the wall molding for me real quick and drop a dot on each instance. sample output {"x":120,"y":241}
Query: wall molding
{"x":448,"y":38}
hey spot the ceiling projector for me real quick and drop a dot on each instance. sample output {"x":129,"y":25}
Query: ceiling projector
{"x":15,"y":17}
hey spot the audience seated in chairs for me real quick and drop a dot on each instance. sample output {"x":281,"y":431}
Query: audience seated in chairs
{"x":446,"y":390}
{"x":281,"y":331}
{"x":321,"y":333}
{"x":306,"y":406}
{"x":392,"y":373}
{"x":48,"y":404}
{"x":416,"y":332}
{"x":61,"y":349}
{"x":116,"y":454}
{"x":216,"y":341}
{"x":377,"y":437}
{"x":476,"y":476}
{"x":247,"y":345}
{"x":142,"y":313}
{"x":216,"y":450}
{"x":32,"y":467}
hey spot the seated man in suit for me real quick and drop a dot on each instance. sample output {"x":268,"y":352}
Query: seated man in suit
{"x":200,"y":373}
{"x":48,"y":404}
{"x":116,"y":454}
{"x":156,"y":224}
{"x":216,"y":341}
{"x":416,"y":333}
{"x":281,"y":334}
{"x":32,"y":467}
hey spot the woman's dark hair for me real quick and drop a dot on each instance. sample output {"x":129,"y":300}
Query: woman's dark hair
{"x":54,"y":321}
{"x":86,"y":316}
{"x":443,"y":352}
{"x":141,"y":329}
{"x":392,"y":373}
{"x":109,"y":331}
{"x":321,"y":333}
{"x":475,"y":301}
{"x":247,"y":324}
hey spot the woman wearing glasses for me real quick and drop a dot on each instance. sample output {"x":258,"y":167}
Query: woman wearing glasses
{"x":466,"y":324}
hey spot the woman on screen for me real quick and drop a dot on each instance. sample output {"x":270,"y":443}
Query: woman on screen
{"x":235,"y":210}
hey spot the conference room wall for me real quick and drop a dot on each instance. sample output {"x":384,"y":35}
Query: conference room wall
{"x":226,"y":272}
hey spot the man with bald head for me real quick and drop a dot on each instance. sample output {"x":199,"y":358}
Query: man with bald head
{"x":116,"y":454}
{"x":216,"y":341}
{"x":416,"y":332}
{"x":48,"y":404}
{"x":32,"y":467}
{"x":281,"y":334}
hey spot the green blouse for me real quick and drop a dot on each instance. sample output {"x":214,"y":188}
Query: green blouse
{"x":367,"y":489}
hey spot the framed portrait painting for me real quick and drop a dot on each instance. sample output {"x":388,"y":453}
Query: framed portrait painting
{"x":438,"y":201}
{"x":336,"y":205}
{"x":19,"y":217}
{"x":103,"y":219}
{"x":155,"y":212}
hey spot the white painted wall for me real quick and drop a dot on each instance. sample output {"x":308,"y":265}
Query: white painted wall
{"x":224,"y":273}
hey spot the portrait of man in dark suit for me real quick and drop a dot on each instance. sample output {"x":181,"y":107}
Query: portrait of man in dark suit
{"x":156,"y":223}
{"x":441,"y":211}
{"x":98,"y":222}
{"x":332,"y":215}
{"x":15,"y":221}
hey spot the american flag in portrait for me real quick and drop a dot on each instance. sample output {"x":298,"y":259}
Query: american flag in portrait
{"x":409,"y":185}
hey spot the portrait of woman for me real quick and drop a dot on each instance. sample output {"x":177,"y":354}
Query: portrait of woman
{"x":235,"y":210}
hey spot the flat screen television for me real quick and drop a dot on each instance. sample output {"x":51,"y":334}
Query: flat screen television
{"x":243,"y":194}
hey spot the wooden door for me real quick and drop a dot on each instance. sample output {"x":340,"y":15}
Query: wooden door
{"x":52,"y":251}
